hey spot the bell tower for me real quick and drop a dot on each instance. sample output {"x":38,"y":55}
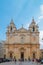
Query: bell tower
{"x":11,"y":29}
{"x":34,"y":39}
{"x":34,"y":32}
{"x":33,"y":26}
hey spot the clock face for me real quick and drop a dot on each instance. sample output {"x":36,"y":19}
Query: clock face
{"x":22,"y":39}
{"x":11,"y":34}
{"x":33,"y":34}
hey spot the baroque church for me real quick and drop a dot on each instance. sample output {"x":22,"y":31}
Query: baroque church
{"x":22,"y":43}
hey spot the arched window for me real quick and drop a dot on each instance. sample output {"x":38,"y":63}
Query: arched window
{"x":11,"y":28}
{"x":33,"y":29}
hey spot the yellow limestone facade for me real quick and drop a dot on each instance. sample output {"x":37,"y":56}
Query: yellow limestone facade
{"x":22,"y":43}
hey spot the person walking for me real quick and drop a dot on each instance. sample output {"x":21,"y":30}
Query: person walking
{"x":14,"y":59}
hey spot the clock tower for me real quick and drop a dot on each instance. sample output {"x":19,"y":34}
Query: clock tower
{"x":10,"y":30}
{"x":34,"y":32}
{"x":34,"y":39}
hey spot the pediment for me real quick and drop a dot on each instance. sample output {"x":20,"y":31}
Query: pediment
{"x":22,"y":29}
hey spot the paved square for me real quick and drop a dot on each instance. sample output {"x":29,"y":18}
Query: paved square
{"x":20,"y":63}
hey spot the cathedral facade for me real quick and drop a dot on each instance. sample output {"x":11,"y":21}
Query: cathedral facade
{"x":22,"y":43}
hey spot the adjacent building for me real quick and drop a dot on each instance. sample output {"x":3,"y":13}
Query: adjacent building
{"x":1,"y":50}
{"x":41,"y":53}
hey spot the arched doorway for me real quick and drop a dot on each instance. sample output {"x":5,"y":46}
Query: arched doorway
{"x":11,"y":55}
{"x":4,"y":56}
{"x":34,"y":55}
{"x":22,"y":55}
{"x":22,"y":52}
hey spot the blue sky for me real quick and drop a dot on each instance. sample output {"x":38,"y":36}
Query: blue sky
{"x":21,"y":11}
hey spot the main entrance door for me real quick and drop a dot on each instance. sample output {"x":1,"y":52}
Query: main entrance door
{"x":33,"y":55}
{"x":11,"y":56}
{"x":22,"y":56}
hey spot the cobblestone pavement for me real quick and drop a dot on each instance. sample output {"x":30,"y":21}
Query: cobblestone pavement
{"x":20,"y":63}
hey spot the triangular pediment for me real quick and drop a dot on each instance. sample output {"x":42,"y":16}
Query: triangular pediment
{"x":22,"y":29}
